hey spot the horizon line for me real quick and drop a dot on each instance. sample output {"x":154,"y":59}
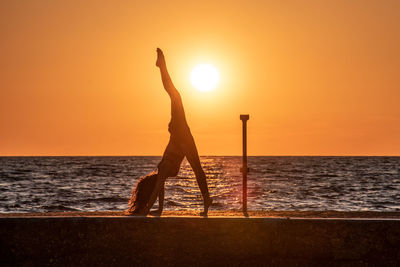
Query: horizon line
{"x":283,"y":155}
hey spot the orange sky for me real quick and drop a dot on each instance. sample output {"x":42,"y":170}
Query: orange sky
{"x":316,"y":77}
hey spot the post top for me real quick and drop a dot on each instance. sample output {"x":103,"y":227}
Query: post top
{"x":244,"y":117}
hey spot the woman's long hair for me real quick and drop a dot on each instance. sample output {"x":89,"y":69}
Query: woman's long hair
{"x":141,"y":193}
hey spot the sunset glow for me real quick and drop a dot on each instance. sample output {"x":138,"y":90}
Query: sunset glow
{"x":204,"y":77}
{"x":316,"y":77}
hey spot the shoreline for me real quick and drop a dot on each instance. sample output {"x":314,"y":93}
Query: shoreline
{"x":222,"y":213}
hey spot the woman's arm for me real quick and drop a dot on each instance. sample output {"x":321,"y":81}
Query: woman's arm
{"x":159,"y":186}
{"x":159,"y":211}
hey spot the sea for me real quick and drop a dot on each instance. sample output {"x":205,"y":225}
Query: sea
{"x":295,"y":183}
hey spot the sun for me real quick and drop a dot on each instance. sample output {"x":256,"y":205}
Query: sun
{"x":204,"y":77}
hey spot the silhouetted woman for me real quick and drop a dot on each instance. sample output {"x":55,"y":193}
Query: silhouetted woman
{"x":181,"y":144}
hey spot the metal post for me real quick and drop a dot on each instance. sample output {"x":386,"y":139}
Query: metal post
{"x":244,"y":169}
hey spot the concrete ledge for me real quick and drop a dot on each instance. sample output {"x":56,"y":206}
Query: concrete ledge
{"x":188,"y":241}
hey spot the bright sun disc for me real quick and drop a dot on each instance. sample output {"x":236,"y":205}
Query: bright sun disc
{"x":204,"y":77}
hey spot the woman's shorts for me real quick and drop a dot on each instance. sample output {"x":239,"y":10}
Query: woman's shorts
{"x":171,"y":160}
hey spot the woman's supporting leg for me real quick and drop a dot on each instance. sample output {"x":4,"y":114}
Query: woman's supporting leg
{"x":189,"y":148}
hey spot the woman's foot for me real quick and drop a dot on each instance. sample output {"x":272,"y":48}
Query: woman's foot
{"x":207,"y":204}
{"x":160,"y":58}
{"x":156,"y":213}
